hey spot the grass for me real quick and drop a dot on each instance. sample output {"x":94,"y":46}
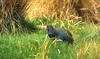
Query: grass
{"x":39,"y":46}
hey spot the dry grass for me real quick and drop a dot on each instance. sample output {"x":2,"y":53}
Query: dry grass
{"x":66,"y":9}
{"x":12,"y":11}
{"x":88,"y":50}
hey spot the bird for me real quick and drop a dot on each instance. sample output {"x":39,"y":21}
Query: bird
{"x":59,"y":33}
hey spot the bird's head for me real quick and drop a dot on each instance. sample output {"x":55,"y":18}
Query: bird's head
{"x":49,"y":27}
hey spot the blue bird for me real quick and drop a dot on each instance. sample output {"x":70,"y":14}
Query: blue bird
{"x":59,"y":33}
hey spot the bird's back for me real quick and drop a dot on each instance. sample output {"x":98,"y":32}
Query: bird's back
{"x":61,"y":30}
{"x":64,"y":34}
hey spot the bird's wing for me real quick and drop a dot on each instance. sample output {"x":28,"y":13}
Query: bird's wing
{"x":61,"y":30}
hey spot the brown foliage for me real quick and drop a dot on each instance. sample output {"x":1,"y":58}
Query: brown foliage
{"x":11,"y":11}
{"x":85,"y":10}
{"x":10,"y":14}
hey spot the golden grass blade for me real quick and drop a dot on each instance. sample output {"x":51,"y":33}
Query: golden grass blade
{"x":43,"y":48}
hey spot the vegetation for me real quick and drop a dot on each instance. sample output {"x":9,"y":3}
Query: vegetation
{"x":66,"y":9}
{"x":22,"y":38}
{"x":14,"y":12}
{"x":39,"y":46}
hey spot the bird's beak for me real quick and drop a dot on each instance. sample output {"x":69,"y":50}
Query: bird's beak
{"x":42,"y":27}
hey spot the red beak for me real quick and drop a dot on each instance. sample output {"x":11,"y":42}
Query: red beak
{"x":42,"y":27}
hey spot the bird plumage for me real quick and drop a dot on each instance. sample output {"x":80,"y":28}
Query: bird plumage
{"x":59,"y":33}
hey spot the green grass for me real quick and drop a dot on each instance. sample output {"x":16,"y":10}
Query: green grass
{"x":39,"y":46}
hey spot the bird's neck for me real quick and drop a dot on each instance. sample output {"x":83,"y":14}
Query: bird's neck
{"x":52,"y":31}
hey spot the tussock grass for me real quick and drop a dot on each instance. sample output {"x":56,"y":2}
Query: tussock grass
{"x":11,"y":15}
{"x":12,"y":12}
{"x":66,"y":9}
